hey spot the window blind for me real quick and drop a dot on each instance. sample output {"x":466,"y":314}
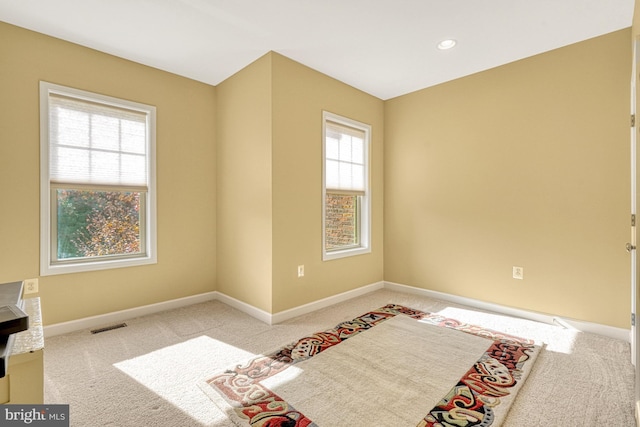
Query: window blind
{"x":344,"y":158}
{"x":96,"y":144}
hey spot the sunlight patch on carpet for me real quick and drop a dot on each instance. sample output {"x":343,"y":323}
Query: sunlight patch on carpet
{"x":171,"y":372}
{"x":561,"y":338}
{"x":394,"y":366}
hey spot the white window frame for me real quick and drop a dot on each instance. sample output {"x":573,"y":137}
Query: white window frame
{"x":364,"y":221}
{"x":48,"y":265}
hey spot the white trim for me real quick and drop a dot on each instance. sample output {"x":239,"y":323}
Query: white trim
{"x":252,"y":311}
{"x":466,"y":301}
{"x":272,"y":319}
{"x":365,"y":208}
{"x":122,"y":315}
{"x":256,"y":313}
{"x":325,"y":302}
{"x":47,"y":267}
{"x":595,"y":328}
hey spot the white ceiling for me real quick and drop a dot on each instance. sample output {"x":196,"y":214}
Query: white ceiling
{"x":383,"y":47}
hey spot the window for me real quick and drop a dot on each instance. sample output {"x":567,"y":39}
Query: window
{"x":345,"y":196}
{"x":97,"y":185}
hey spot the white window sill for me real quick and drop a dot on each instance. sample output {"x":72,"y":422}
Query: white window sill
{"x":327,"y":256}
{"x":50,"y":270}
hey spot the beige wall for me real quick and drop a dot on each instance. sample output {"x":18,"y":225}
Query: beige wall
{"x":300,"y":94}
{"x":523,"y":165}
{"x":185,"y":176}
{"x":636,"y":19}
{"x":270,"y":185}
{"x":526,"y":164}
{"x":244,"y":187}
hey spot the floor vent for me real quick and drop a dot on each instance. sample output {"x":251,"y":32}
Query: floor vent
{"x":108,"y":328}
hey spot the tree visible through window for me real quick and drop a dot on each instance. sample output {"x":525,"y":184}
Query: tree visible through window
{"x":97,"y":223}
{"x":97,"y":188}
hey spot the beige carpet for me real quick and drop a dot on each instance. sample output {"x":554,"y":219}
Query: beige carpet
{"x":147,"y":373}
{"x":393,"y":374}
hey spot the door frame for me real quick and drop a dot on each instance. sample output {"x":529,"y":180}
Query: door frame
{"x":631,"y":247}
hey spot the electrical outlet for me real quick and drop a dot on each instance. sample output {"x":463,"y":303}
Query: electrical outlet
{"x":301,"y":271}
{"x":30,"y":286}
{"x":518,"y":272}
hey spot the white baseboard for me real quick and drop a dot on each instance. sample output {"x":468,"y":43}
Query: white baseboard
{"x":281,"y":316}
{"x":271,"y":319}
{"x":325,"y":302}
{"x":122,"y":315}
{"x":595,"y":328}
{"x":263,"y":316}
{"x":252,"y":311}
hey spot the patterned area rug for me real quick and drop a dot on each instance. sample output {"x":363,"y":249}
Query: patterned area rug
{"x":394,"y":366}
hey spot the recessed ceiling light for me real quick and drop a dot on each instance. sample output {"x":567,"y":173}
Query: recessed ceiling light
{"x":446,"y":44}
